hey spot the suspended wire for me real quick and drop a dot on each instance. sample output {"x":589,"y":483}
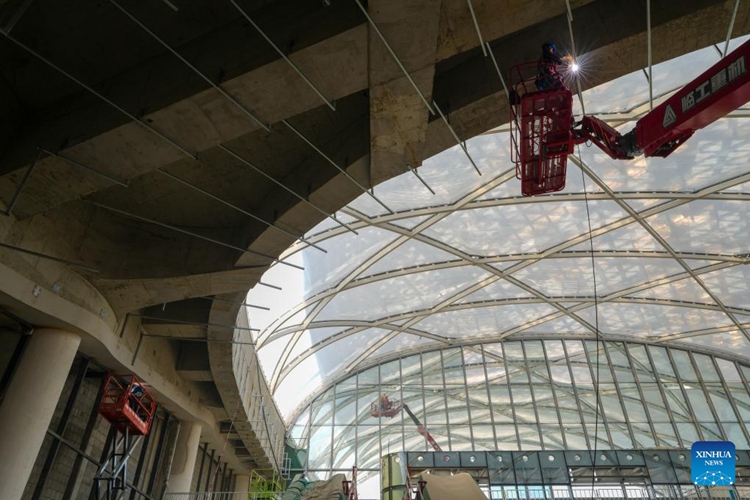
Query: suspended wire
{"x":599,"y":339}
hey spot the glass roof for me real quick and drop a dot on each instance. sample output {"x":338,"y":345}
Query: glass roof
{"x":478,"y":262}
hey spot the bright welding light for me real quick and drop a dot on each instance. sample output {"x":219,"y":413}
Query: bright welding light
{"x":574,"y":67}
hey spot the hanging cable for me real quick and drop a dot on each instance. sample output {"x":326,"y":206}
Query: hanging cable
{"x":599,"y":339}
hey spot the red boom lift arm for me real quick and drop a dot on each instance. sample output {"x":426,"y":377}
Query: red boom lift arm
{"x":421,"y":429}
{"x":718,"y":91}
{"x":389,"y":408}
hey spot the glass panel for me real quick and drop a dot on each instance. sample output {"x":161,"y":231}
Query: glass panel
{"x":706,"y":368}
{"x":320,"y":447}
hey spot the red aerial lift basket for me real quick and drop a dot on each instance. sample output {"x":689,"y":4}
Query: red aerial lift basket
{"x":385,"y":408}
{"x":120,"y":406}
{"x":541,"y":135}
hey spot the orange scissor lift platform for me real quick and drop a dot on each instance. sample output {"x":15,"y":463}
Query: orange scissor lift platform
{"x":120,"y":406}
{"x":540,"y":132}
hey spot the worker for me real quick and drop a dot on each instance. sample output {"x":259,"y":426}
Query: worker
{"x":134,"y":401}
{"x":384,"y":402}
{"x":547,"y":76}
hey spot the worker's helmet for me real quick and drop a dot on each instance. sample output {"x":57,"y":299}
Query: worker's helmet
{"x":137,"y":390}
{"x":546,"y":46}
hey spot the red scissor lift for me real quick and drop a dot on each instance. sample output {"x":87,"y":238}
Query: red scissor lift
{"x":541,"y":132}
{"x":128,"y":405}
{"x":120,"y":405}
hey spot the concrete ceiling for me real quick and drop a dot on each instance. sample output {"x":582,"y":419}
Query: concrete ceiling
{"x":145,"y":117}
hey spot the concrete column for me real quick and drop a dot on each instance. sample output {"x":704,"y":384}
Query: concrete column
{"x":241,"y":486}
{"x":185,"y":453}
{"x":29,"y":405}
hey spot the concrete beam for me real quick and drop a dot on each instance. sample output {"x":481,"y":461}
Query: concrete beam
{"x":193,"y":363}
{"x":398,"y":116}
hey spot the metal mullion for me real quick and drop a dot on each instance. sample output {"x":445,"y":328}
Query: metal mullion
{"x":445,"y":402}
{"x":510,"y":397}
{"x":380,"y":420}
{"x":466,"y":391}
{"x":334,"y":404}
{"x":744,"y":384}
{"x":223,"y":478}
{"x":445,"y":399}
{"x":356,"y":418}
{"x":554,"y":393}
{"x":665,"y":401}
{"x":531,"y":391}
{"x":640,"y":395}
{"x":737,"y":414}
{"x":202,"y":449}
{"x":401,"y":394}
{"x":621,"y":398}
{"x":220,"y":471}
{"x":598,"y":405}
{"x":210,"y":470}
{"x":424,"y":400}
{"x":491,"y":339}
{"x":490,"y":406}
{"x":689,"y":406}
{"x":706,"y":395}
{"x":61,"y":427}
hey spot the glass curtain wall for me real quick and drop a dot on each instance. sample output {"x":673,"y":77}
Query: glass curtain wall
{"x":527,"y":395}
